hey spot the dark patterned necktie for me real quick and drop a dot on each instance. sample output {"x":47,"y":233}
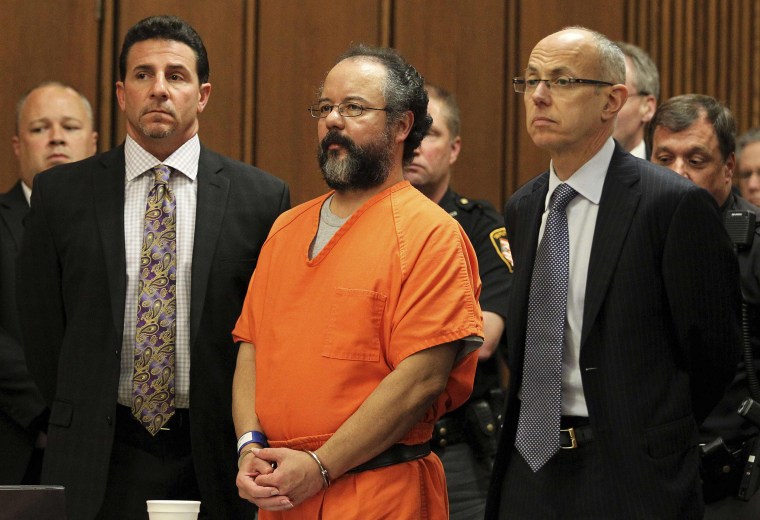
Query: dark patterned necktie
{"x":153,"y":378}
{"x":538,"y":426}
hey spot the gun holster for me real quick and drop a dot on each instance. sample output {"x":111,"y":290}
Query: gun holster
{"x":720,"y":469}
{"x":482,"y":428}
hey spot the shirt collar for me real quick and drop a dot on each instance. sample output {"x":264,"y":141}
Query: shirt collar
{"x":184,"y":159}
{"x":27,"y":193}
{"x":640,"y":150}
{"x":588,"y":180}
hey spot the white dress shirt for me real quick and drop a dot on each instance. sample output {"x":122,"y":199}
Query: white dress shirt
{"x":588,"y":181}
{"x":640,"y":150}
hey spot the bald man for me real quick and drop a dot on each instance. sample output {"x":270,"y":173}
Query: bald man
{"x":624,"y":310}
{"x":54,"y":125}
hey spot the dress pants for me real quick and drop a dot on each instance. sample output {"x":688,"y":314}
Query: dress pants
{"x":559,"y":490}
{"x":144,"y":467}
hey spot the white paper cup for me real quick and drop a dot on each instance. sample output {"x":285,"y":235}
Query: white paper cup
{"x":173,"y":509}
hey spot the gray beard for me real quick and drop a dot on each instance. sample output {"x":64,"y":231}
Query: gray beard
{"x":362,"y":168}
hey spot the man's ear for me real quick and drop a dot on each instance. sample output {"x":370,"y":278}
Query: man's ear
{"x":456,"y":147}
{"x":650,"y":107}
{"x":616,"y":98}
{"x":120,"y":94}
{"x":730,"y":165}
{"x":16,"y":146}
{"x":404,"y":126}
{"x":203,"y":95}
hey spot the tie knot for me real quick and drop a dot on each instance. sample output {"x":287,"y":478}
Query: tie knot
{"x":161,"y":174}
{"x":562,"y":196}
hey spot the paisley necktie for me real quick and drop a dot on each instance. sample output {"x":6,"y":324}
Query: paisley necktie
{"x":153,"y":378}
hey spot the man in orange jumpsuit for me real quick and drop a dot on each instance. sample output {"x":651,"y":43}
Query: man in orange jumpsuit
{"x":361,"y":320}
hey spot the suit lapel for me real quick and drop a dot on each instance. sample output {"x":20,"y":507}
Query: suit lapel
{"x":527,"y":227}
{"x":210,"y":210}
{"x":108,"y":200}
{"x":620,"y":198}
{"x":13,"y":209}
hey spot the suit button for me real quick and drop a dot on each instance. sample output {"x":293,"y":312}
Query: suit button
{"x":490,"y":428}
{"x":117,"y":353}
{"x":442,"y":443}
{"x":442,"y":431}
{"x":109,"y":420}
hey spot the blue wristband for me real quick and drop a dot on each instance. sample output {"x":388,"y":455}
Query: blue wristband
{"x":249,"y":438}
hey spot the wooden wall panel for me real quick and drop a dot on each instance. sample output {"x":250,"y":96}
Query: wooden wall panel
{"x":708,"y":47}
{"x":222,"y":25}
{"x":465,"y":54}
{"x":298,"y":42}
{"x":38,"y":43}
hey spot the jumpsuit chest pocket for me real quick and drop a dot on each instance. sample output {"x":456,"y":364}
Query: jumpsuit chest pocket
{"x":353,"y":328}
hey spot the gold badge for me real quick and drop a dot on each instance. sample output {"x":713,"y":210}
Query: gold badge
{"x":501,"y":244}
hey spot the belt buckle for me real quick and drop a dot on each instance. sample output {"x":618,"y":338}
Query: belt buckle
{"x":573,"y":440}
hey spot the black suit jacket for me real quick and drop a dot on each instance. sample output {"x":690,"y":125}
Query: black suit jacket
{"x":72,"y":283}
{"x":659,"y":340}
{"x":20,"y":402}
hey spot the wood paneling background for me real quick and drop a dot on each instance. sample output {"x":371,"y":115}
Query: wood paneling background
{"x":268,"y":58}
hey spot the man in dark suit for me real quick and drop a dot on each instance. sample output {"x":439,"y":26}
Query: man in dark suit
{"x":695,"y":136}
{"x":54,"y":125}
{"x":605,"y":426}
{"x":120,"y":429}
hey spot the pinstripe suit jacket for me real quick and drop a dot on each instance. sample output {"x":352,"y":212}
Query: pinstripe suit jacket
{"x":72,"y":283}
{"x":659,"y":339}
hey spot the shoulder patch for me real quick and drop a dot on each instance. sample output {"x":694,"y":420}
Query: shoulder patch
{"x":501,"y":244}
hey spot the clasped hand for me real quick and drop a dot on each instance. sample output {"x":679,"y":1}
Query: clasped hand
{"x":277,"y":479}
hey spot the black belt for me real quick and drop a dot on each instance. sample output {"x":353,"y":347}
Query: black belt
{"x":173,"y":439}
{"x":396,"y":454}
{"x":575,"y":432}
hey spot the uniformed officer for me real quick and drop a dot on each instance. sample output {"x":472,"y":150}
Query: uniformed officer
{"x":465,"y":439}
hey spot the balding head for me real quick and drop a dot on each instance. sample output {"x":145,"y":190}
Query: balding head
{"x":54,"y":125}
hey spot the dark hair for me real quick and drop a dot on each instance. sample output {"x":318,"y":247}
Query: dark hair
{"x":451,"y":116}
{"x":165,"y":27}
{"x":404,"y":90}
{"x":680,"y":112}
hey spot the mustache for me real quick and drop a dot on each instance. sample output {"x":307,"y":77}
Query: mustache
{"x":333,"y":137}
{"x":162,"y":108}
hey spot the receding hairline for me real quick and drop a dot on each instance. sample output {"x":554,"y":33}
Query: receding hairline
{"x":609,"y":60}
{"x":57,"y":84}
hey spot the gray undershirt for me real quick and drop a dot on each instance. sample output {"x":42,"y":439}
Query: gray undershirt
{"x":329,"y":224}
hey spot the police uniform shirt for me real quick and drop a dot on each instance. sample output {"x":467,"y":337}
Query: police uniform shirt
{"x":484,"y":227}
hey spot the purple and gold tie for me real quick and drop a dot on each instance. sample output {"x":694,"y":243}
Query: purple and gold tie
{"x":153,"y":378}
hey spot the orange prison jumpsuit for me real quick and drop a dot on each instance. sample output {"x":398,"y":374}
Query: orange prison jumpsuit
{"x":398,"y":277}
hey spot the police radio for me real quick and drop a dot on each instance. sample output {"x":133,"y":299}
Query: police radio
{"x":740,"y":225}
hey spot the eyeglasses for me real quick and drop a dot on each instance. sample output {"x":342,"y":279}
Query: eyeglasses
{"x":322,"y":110}
{"x":522,"y":85}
